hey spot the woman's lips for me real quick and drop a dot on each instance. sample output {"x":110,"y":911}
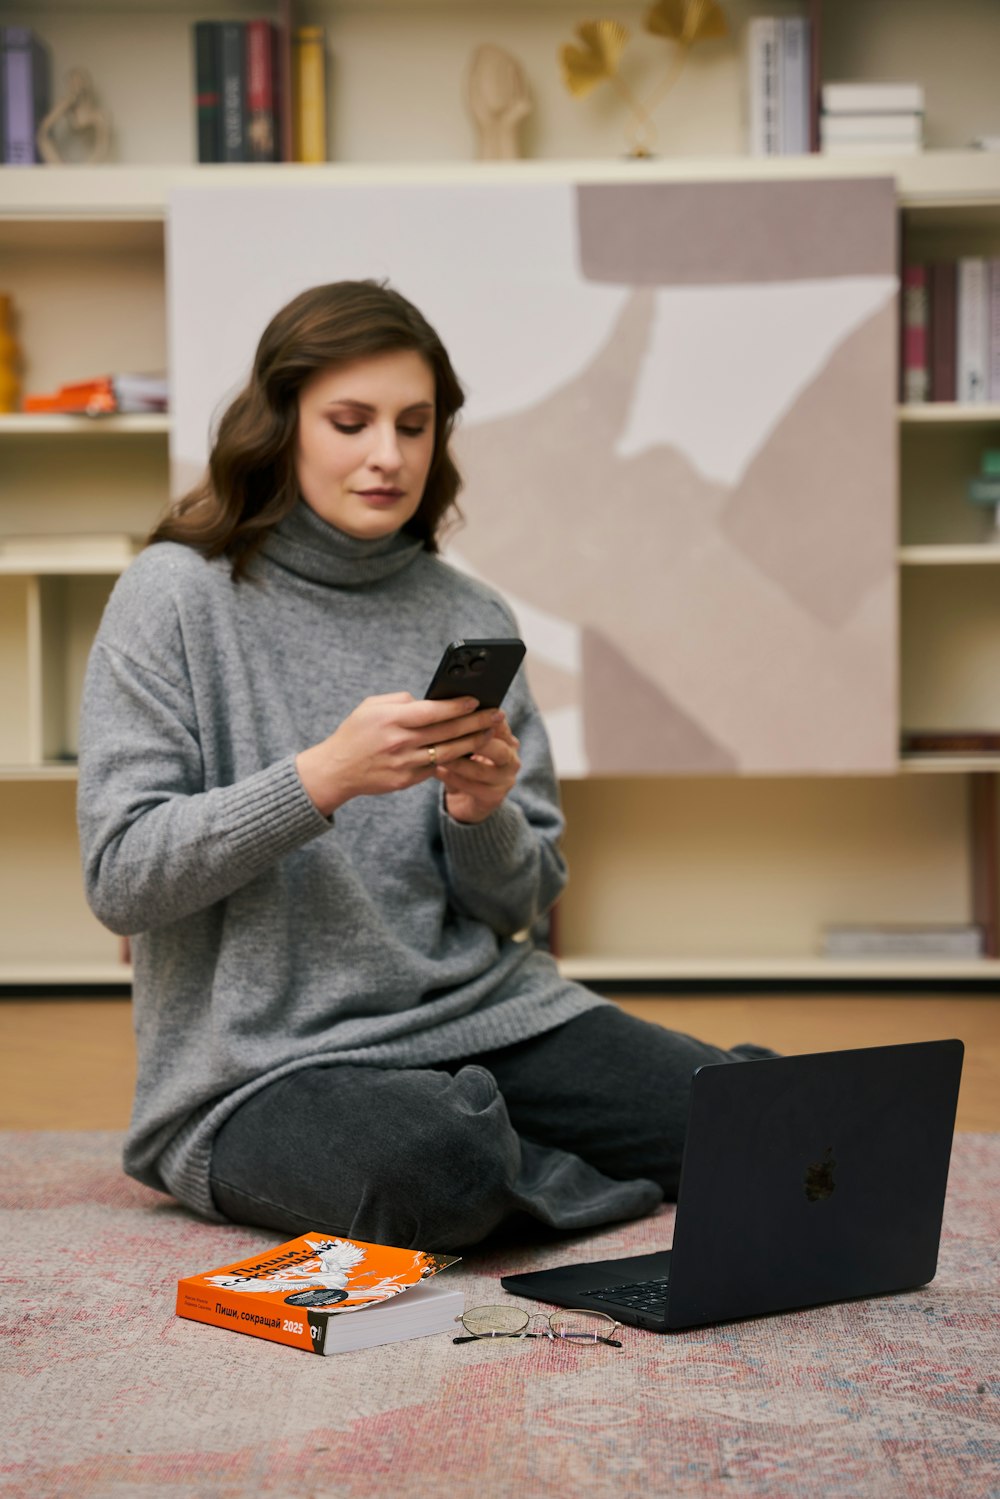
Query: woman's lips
{"x":380,"y":496}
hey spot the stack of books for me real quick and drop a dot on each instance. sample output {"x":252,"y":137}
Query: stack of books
{"x":105,"y":395}
{"x":950,"y":741}
{"x":951,"y":331}
{"x":260,"y":91}
{"x":874,"y":119}
{"x":779,"y":85}
{"x":25,"y":94}
{"x":903,"y":941}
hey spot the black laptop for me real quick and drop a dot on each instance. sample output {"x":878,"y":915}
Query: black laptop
{"x":805,"y":1179}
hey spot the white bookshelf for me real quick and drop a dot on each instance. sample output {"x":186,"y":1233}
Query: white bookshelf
{"x":680,"y":879}
{"x":953,"y":764}
{"x":983,"y":554}
{"x":96,"y":201}
{"x":48,"y":425}
{"x":951,"y":413}
{"x":654,"y":970}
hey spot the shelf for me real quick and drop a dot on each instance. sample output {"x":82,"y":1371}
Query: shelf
{"x":131,"y":194}
{"x":21,"y":424}
{"x":974,"y":554}
{"x":66,"y":557}
{"x":33,"y":974}
{"x":945,"y":764}
{"x":930,"y":413}
{"x":610,"y":970}
{"x":652,"y":970}
{"x":51,"y":771}
{"x":238,"y":8}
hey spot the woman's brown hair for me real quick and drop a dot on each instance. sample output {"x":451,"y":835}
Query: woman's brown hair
{"x":251,"y":483}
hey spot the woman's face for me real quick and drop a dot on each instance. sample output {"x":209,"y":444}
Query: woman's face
{"x":365,"y":442}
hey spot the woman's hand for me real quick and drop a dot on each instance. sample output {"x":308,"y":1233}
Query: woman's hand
{"x":475,"y":787}
{"x":392,"y":742}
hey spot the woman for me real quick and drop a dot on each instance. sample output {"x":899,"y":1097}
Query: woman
{"x":346,"y":1018}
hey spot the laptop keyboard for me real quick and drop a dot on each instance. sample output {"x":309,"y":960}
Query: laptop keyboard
{"x":643,"y":1296}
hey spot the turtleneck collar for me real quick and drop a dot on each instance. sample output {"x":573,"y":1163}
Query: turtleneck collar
{"x":306,"y":544}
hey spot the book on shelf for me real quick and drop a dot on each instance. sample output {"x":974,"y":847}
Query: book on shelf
{"x":794,"y":85}
{"x":25,"y":91}
{"x":326,"y":1294}
{"x":942,"y":300}
{"x":972,"y":348}
{"x":894,"y":131}
{"x":263,"y":86}
{"x":950,"y":741}
{"x":105,"y":395}
{"x":847,"y":98}
{"x":779,"y":85}
{"x":916,"y":370}
{"x":872,"y":148}
{"x":237,"y":88}
{"x":284,"y":85}
{"x":871,"y":119}
{"x":904,"y":940}
{"x":950,"y":312}
{"x":207,"y":90}
{"x":309,"y":94}
{"x":232,"y":91}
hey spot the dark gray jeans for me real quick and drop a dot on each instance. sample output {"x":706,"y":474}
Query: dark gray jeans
{"x":580,"y":1126}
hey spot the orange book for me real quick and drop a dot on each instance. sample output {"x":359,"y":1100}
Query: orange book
{"x":92,"y":397}
{"x":299,"y":1292}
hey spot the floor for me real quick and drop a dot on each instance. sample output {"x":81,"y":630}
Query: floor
{"x":68,"y":1063}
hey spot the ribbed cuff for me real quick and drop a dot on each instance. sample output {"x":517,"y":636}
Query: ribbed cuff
{"x":490,"y":847}
{"x":270,"y":814}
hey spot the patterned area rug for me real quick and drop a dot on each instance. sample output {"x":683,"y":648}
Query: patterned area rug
{"x":106,"y":1394}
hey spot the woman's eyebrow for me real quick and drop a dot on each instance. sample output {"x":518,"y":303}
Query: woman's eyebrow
{"x":364,"y":406}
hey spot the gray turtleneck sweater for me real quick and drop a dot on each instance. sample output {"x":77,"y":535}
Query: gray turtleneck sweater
{"x":266,"y":937}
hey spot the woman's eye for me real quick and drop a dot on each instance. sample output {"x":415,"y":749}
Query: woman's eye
{"x":413,"y":431}
{"x":351,"y":430}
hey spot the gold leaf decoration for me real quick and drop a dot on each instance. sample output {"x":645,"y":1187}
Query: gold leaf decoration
{"x":687,"y":21}
{"x":584,"y":67}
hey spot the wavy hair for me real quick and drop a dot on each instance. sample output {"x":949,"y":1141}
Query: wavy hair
{"x":251,"y":482}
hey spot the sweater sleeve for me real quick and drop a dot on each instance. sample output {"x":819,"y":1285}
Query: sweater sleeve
{"x":509,"y":870}
{"x":156,"y":844}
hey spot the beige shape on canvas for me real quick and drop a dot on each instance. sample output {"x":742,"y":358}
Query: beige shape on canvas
{"x":641,"y":554}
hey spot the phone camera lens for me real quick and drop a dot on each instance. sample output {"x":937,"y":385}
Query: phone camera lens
{"x":477,"y":664}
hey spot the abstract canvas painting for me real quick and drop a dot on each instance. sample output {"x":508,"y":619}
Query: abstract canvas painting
{"x":678,"y":445}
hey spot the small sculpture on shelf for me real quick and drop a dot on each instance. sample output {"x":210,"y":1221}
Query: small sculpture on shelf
{"x":75,"y":116}
{"x":682,"y":22}
{"x":984,"y":489}
{"x":10,"y":358}
{"x":498,"y":99}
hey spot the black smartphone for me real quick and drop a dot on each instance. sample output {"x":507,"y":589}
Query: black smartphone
{"x":483,"y":669}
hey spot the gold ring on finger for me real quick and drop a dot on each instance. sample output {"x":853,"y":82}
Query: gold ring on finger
{"x":432,"y":753}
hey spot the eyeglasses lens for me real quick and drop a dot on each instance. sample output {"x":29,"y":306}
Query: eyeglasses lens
{"x":581,"y":1327}
{"x":495,"y":1321}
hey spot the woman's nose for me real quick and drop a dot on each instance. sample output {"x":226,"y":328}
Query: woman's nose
{"x":385,"y":448}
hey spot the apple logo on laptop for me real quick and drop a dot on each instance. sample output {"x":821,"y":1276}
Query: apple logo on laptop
{"x":819,"y":1182}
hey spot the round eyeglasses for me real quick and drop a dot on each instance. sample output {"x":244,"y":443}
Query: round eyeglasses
{"x":577,"y":1328}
